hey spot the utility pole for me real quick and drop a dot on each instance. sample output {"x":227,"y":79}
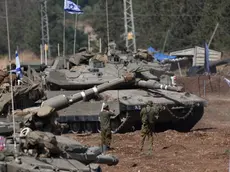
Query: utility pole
{"x":41,"y":53}
{"x":130,"y":35}
{"x":44,"y":28}
{"x":11,"y":80}
{"x":100,"y":50}
{"x":65,"y":65}
{"x":89,"y":39}
{"x":75,"y":31}
{"x":166,"y":38}
{"x":107,"y":24}
{"x":58,"y":47}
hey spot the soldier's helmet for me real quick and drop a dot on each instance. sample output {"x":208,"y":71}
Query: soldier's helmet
{"x":150,"y":103}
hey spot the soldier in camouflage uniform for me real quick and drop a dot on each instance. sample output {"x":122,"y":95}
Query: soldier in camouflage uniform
{"x":148,"y":114}
{"x":45,"y":144}
{"x":105,"y":121}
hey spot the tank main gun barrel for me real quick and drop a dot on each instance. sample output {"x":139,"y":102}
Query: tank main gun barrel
{"x":63,"y":101}
{"x":88,"y":158}
{"x":106,"y":159}
{"x":93,"y":155}
{"x":151,"y":84}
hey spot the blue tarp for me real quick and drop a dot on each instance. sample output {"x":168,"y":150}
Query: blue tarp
{"x":152,"y":50}
{"x":159,"y":56}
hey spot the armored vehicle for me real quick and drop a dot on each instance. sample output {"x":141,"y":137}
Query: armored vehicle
{"x":37,"y":150}
{"x":42,"y":151}
{"x":26,"y":93}
{"x":180,"y":110}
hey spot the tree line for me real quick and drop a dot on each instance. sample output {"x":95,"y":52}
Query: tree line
{"x":25,"y":26}
{"x":188,"y":23}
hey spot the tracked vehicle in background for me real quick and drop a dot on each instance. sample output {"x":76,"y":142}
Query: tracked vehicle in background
{"x":71,"y":156}
{"x":26,"y":93}
{"x":81,"y":158}
{"x":180,"y":110}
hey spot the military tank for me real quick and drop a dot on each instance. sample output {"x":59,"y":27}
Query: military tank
{"x":26,"y":93}
{"x":180,"y":110}
{"x":69,"y":155}
{"x":64,"y":154}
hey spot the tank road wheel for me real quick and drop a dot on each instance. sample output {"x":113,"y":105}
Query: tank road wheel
{"x":75,"y":127}
{"x":90,"y":127}
{"x":185,"y":125}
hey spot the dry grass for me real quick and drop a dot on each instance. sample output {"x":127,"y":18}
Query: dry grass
{"x":25,"y":56}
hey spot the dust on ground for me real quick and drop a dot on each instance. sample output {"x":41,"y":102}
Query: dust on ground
{"x":204,"y":149}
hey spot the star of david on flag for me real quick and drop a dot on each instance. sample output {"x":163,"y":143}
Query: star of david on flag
{"x":71,"y":7}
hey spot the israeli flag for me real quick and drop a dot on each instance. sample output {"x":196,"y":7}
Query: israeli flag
{"x":227,"y":81}
{"x":18,"y":66}
{"x":71,"y":7}
{"x":206,"y":59}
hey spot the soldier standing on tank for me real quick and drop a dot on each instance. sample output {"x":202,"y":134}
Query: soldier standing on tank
{"x":105,"y":123}
{"x":148,"y":115}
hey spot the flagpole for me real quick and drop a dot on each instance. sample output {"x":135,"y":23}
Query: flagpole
{"x":75,"y":31}
{"x":11,"y":83}
{"x":64,"y":39}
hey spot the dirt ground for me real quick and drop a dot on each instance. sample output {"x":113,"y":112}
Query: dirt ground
{"x":204,"y":149}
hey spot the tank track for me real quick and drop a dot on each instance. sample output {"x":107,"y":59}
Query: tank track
{"x":180,"y":121}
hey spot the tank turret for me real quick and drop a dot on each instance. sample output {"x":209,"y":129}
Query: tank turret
{"x":26,"y":93}
{"x":63,"y":101}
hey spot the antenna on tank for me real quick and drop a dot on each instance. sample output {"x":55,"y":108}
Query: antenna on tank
{"x":107,"y":25}
{"x":11,"y":80}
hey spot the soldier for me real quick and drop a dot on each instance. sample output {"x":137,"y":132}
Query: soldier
{"x":148,"y":117}
{"x":105,"y":120}
{"x":45,"y":144}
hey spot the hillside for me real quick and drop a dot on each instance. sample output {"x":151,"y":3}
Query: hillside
{"x":189,"y":23}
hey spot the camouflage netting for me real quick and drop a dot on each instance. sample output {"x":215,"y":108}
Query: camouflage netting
{"x":81,"y":57}
{"x":25,"y":95}
{"x":213,"y":84}
{"x":77,"y":68}
{"x":101,"y":57}
{"x":143,"y":54}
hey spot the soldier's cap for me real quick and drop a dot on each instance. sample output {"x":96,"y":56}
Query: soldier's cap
{"x":150,"y":102}
{"x":106,"y":106}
